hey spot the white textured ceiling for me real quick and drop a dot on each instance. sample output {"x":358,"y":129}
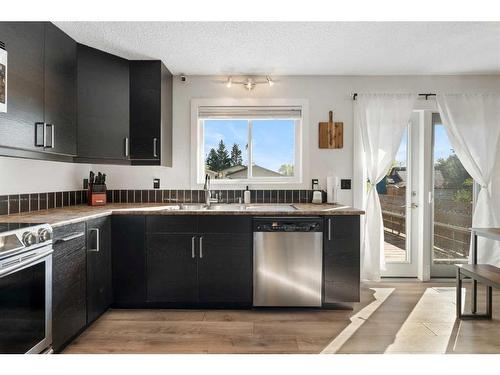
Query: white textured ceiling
{"x":301,"y":48}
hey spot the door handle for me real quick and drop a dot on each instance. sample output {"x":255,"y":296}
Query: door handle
{"x":97,"y":235}
{"x":201,"y":247}
{"x":155,"y":152}
{"x":192,"y":246}
{"x":329,"y":229}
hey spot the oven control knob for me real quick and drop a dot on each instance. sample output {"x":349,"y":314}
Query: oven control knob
{"x":44,"y":235}
{"x":29,"y":238}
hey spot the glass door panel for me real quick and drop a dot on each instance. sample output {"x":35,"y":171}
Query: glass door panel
{"x":453,"y":205}
{"x":392,"y":192}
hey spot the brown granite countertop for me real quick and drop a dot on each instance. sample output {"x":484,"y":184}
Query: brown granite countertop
{"x":73,"y":214}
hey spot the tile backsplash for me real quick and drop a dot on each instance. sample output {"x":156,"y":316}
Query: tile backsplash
{"x":16,"y":203}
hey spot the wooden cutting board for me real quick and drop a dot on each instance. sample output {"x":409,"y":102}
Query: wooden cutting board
{"x":331,"y":134}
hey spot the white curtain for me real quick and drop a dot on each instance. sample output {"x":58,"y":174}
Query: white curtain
{"x":472,"y":122}
{"x":381,"y":119}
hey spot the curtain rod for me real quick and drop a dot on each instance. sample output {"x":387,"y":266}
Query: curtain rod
{"x":355,"y":95}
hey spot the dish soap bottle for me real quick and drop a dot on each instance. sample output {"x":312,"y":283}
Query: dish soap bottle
{"x":246,"y":196}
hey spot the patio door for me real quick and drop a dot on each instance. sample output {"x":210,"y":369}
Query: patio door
{"x":398,"y":201}
{"x":453,"y":201}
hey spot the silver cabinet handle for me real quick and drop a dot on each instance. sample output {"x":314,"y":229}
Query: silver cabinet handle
{"x":97,"y":245}
{"x":329,"y":229}
{"x":192,"y":246}
{"x":40,"y":133}
{"x":127,"y":146}
{"x":201,"y":247}
{"x":70,"y":237}
{"x":155,"y":152}
{"x":53,"y":136}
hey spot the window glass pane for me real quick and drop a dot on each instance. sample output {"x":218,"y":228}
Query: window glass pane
{"x":453,"y":202}
{"x":225,"y":148}
{"x":273,"y":148}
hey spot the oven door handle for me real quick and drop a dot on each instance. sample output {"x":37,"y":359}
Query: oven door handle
{"x":20,"y":265}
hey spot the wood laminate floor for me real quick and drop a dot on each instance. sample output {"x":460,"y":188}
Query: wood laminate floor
{"x":397,"y":317}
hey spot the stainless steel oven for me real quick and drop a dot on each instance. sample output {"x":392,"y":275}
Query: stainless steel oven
{"x":26,"y":289}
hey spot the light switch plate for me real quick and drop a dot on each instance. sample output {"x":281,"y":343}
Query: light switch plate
{"x":345,"y":184}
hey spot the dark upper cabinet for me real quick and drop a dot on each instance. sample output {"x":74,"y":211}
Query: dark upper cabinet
{"x":225,"y":268}
{"x":68,"y":283}
{"x":103,"y":106}
{"x":150,"y":113}
{"x":172,"y":268}
{"x":341,"y":259}
{"x":99,"y":291}
{"x":128,"y":260}
{"x":41,"y":89}
{"x":24,"y":42}
{"x":60,"y":89}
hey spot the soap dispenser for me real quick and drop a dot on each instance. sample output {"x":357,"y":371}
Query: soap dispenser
{"x":246,"y":196}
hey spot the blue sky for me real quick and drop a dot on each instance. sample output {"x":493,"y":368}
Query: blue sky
{"x":273,"y":140}
{"x":442,"y":145}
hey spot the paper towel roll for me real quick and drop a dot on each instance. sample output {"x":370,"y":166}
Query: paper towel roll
{"x":332,"y":183}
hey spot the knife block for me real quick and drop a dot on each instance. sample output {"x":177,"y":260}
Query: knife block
{"x":96,"y":195}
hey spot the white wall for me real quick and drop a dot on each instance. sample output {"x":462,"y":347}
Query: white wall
{"x":34,"y":176}
{"x":324,"y":93}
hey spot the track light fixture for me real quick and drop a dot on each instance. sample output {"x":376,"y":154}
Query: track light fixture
{"x":249,"y":83}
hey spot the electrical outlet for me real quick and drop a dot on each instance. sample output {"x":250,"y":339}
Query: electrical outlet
{"x":345,"y":184}
{"x":156,"y":183}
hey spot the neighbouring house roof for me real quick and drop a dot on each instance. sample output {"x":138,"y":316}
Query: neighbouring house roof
{"x":240,"y":172}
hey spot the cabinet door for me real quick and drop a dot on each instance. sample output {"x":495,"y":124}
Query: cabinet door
{"x":99,"y":292}
{"x":145,"y":110}
{"x":103,"y":105}
{"x":128,"y":260}
{"x":225,"y":268}
{"x":341,"y":259}
{"x":24,"y":43}
{"x":60,"y":88}
{"x":172,"y":268}
{"x":68,"y":284}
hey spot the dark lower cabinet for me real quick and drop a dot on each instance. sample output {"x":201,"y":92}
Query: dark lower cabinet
{"x":128,"y":260}
{"x":212,"y":265}
{"x":172,"y":268}
{"x":225,"y":268}
{"x":99,"y":292}
{"x":341,"y":259}
{"x":69,"y":312}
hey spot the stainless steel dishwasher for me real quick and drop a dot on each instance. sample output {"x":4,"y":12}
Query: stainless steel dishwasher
{"x":287,"y":261}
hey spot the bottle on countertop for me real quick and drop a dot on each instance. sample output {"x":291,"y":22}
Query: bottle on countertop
{"x":246,"y":196}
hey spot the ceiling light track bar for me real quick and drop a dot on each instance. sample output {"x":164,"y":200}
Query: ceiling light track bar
{"x":426,"y":96}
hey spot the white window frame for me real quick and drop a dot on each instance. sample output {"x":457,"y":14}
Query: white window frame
{"x":197,"y":141}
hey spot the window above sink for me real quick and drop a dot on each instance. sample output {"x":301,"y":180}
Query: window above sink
{"x":242,"y":142}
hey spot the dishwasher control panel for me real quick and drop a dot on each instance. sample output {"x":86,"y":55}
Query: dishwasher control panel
{"x":271,"y":224}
